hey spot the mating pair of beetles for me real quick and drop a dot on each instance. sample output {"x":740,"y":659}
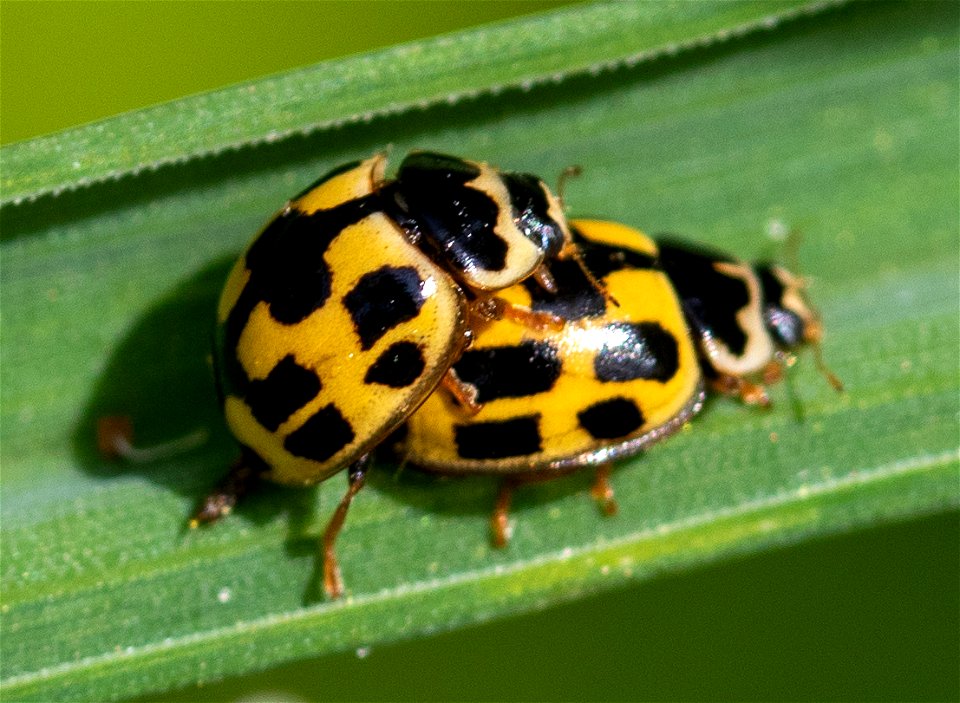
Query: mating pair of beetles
{"x":453,"y":313}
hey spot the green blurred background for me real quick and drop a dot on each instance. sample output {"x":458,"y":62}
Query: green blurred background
{"x":870,"y":615}
{"x":66,"y":63}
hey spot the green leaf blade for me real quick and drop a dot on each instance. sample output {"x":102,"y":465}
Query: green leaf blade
{"x":408,"y":77}
{"x":108,"y":295}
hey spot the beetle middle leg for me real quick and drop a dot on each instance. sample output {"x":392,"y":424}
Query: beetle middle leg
{"x":500,"y":519}
{"x":602,"y":491}
{"x":500,"y":529}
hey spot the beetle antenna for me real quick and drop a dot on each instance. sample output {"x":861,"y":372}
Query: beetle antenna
{"x":824,"y":370}
{"x":791,"y":249}
{"x":565,"y":175}
{"x":573,"y":252}
{"x":791,"y":253}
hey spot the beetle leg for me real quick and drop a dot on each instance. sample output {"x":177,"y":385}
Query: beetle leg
{"x":222,"y":499}
{"x":464,"y":393}
{"x":545,"y":279}
{"x":332,"y":579}
{"x":499,"y":309}
{"x":739,"y":387}
{"x":500,"y":520}
{"x":602,"y":491}
{"x":772,"y":372}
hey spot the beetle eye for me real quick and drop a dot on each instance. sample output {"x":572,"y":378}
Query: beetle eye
{"x":785,"y":326}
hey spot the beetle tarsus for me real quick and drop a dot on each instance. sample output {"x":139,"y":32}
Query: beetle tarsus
{"x":500,"y":520}
{"x":602,"y":491}
{"x":222,"y":499}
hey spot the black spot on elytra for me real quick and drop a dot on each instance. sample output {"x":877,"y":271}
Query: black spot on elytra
{"x":288,"y":272}
{"x":320,"y":437}
{"x":286,"y":262}
{"x":710,"y":299}
{"x":602,"y":259}
{"x":383,"y":299}
{"x":398,"y":366}
{"x":499,"y":440}
{"x":636,"y":351}
{"x":576,"y":297}
{"x":611,"y":419}
{"x":510,"y":372}
{"x":286,"y":389}
{"x":453,"y":223}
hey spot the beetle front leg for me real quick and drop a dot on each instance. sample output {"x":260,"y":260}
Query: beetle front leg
{"x":748,"y":392}
{"x":495,"y":308}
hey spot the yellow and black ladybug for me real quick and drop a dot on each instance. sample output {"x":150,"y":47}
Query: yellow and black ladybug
{"x":349,"y":307}
{"x":745,"y":318}
{"x":454,"y":305}
{"x":626,"y":370}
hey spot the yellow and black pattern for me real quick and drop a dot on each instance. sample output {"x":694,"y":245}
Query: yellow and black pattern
{"x":491,"y":229}
{"x":350,"y":306}
{"x":616,"y":378}
{"x":740,"y":314}
{"x":332,"y":329}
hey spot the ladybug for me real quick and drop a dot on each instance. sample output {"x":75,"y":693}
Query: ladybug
{"x":348,"y":309}
{"x":627,"y":369}
{"x":745,"y":318}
